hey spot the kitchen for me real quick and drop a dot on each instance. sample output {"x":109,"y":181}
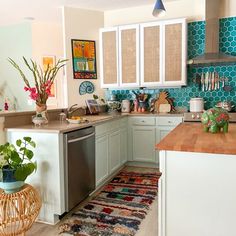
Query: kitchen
{"x":126,"y":139}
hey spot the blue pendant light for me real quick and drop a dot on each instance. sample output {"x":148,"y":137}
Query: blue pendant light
{"x":159,"y":9}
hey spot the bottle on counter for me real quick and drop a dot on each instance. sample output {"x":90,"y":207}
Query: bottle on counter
{"x":6,"y":105}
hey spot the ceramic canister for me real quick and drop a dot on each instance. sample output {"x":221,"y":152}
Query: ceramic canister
{"x":125,"y":106}
{"x":196,"y":105}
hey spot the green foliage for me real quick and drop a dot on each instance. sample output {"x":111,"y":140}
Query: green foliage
{"x":19,"y":157}
{"x":99,"y":99}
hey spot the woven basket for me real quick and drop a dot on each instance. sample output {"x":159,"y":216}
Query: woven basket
{"x":18,"y":211}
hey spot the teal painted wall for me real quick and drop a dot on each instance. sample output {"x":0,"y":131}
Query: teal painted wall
{"x":196,"y":42}
{"x":15,"y":42}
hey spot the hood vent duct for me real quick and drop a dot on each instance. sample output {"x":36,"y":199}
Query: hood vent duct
{"x":212,"y":54}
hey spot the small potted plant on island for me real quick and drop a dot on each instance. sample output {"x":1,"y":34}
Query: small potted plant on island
{"x":16,"y":164}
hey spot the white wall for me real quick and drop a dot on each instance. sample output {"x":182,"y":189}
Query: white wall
{"x":15,"y":42}
{"x":81,"y":24}
{"x":47,"y":40}
{"x":193,"y":10}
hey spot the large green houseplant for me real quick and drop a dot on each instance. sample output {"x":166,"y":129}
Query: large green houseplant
{"x":16,"y":164}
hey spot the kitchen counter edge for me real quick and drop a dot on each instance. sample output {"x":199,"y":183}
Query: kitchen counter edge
{"x":190,"y":137}
{"x":57,"y":127}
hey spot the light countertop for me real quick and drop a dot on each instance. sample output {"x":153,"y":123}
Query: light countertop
{"x":190,"y":137}
{"x":56,"y":126}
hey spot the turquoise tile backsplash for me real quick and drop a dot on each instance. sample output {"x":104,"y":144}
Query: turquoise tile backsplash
{"x":196,"y":46}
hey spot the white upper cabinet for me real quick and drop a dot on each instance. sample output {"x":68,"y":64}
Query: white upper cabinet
{"x":109,"y":57}
{"x":151,"y":69}
{"x":129,"y":56}
{"x":144,"y":55}
{"x":174,"y":52}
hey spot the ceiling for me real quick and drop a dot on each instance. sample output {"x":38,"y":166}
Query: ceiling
{"x":12,"y":11}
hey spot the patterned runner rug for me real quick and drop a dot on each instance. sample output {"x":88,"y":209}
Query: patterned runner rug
{"x":117,"y":209}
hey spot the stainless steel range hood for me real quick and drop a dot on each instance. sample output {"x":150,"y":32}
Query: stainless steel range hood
{"x":212,"y":54}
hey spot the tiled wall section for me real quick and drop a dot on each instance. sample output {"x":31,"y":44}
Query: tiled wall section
{"x":196,"y":42}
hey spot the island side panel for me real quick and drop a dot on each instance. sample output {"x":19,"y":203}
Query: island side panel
{"x":49,"y":177}
{"x":197,"y":194}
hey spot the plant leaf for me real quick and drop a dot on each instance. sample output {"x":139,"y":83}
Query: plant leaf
{"x":18,"y":142}
{"x":14,"y":157}
{"x":32,"y":144}
{"x":24,"y":171}
{"x":27,"y":139}
{"x":29,"y":154}
{"x":95,"y":96}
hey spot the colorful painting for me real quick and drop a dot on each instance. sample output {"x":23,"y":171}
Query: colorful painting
{"x":49,"y":61}
{"x":84,"y":59}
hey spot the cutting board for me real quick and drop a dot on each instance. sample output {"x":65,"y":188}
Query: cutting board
{"x":164,"y":99}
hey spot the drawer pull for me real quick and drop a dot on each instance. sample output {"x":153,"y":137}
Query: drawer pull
{"x":169,"y":122}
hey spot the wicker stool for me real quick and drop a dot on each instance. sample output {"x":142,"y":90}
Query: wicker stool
{"x":18,"y":211}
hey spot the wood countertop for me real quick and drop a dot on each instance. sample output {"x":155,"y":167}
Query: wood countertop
{"x":190,"y":137}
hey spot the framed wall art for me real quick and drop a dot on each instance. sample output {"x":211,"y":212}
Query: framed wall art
{"x":84,"y":59}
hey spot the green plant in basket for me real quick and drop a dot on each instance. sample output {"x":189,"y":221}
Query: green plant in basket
{"x":16,"y":163}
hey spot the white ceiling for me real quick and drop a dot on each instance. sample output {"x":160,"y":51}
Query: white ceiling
{"x":13,"y":11}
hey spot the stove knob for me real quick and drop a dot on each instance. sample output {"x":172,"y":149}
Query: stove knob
{"x":198,"y":116}
{"x":193,"y":116}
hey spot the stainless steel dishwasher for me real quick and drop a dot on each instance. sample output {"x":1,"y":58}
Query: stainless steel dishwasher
{"x":79,"y":165}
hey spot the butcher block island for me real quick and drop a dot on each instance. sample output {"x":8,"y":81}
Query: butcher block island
{"x":197,"y":194}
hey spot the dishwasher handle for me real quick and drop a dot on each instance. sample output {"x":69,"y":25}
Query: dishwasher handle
{"x":81,"y":138}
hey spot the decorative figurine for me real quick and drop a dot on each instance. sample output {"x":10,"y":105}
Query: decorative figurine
{"x":215,"y":119}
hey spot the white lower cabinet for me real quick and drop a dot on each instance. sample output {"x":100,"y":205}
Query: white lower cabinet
{"x":102,"y":156}
{"x":111,"y":148}
{"x":123,"y":145}
{"x":145,"y":133}
{"x":162,"y":131}
{"x":165,"y":125}
{"x":144,"y":140}
{"x":129,"y":138}
{"x":114,"y":151}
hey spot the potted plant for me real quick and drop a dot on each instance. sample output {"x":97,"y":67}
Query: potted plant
{"x":16,"y":164}
{"x":101,"y":102}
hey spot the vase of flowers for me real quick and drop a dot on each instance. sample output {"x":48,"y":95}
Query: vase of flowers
{"x":40,"y":90}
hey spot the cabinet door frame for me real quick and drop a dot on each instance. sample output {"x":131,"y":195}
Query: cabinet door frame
{"x":183,"y":80}
{"x":112,"y":169}
{"x":98,"y":140}
{"x":144,"y":128}
{"x":142,"y":27}
{"x":101,"y":31}
{"x":122,"y":28}
{"x":123,"y":145}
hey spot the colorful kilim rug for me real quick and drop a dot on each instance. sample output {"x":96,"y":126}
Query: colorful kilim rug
{"x":117,"y":209}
